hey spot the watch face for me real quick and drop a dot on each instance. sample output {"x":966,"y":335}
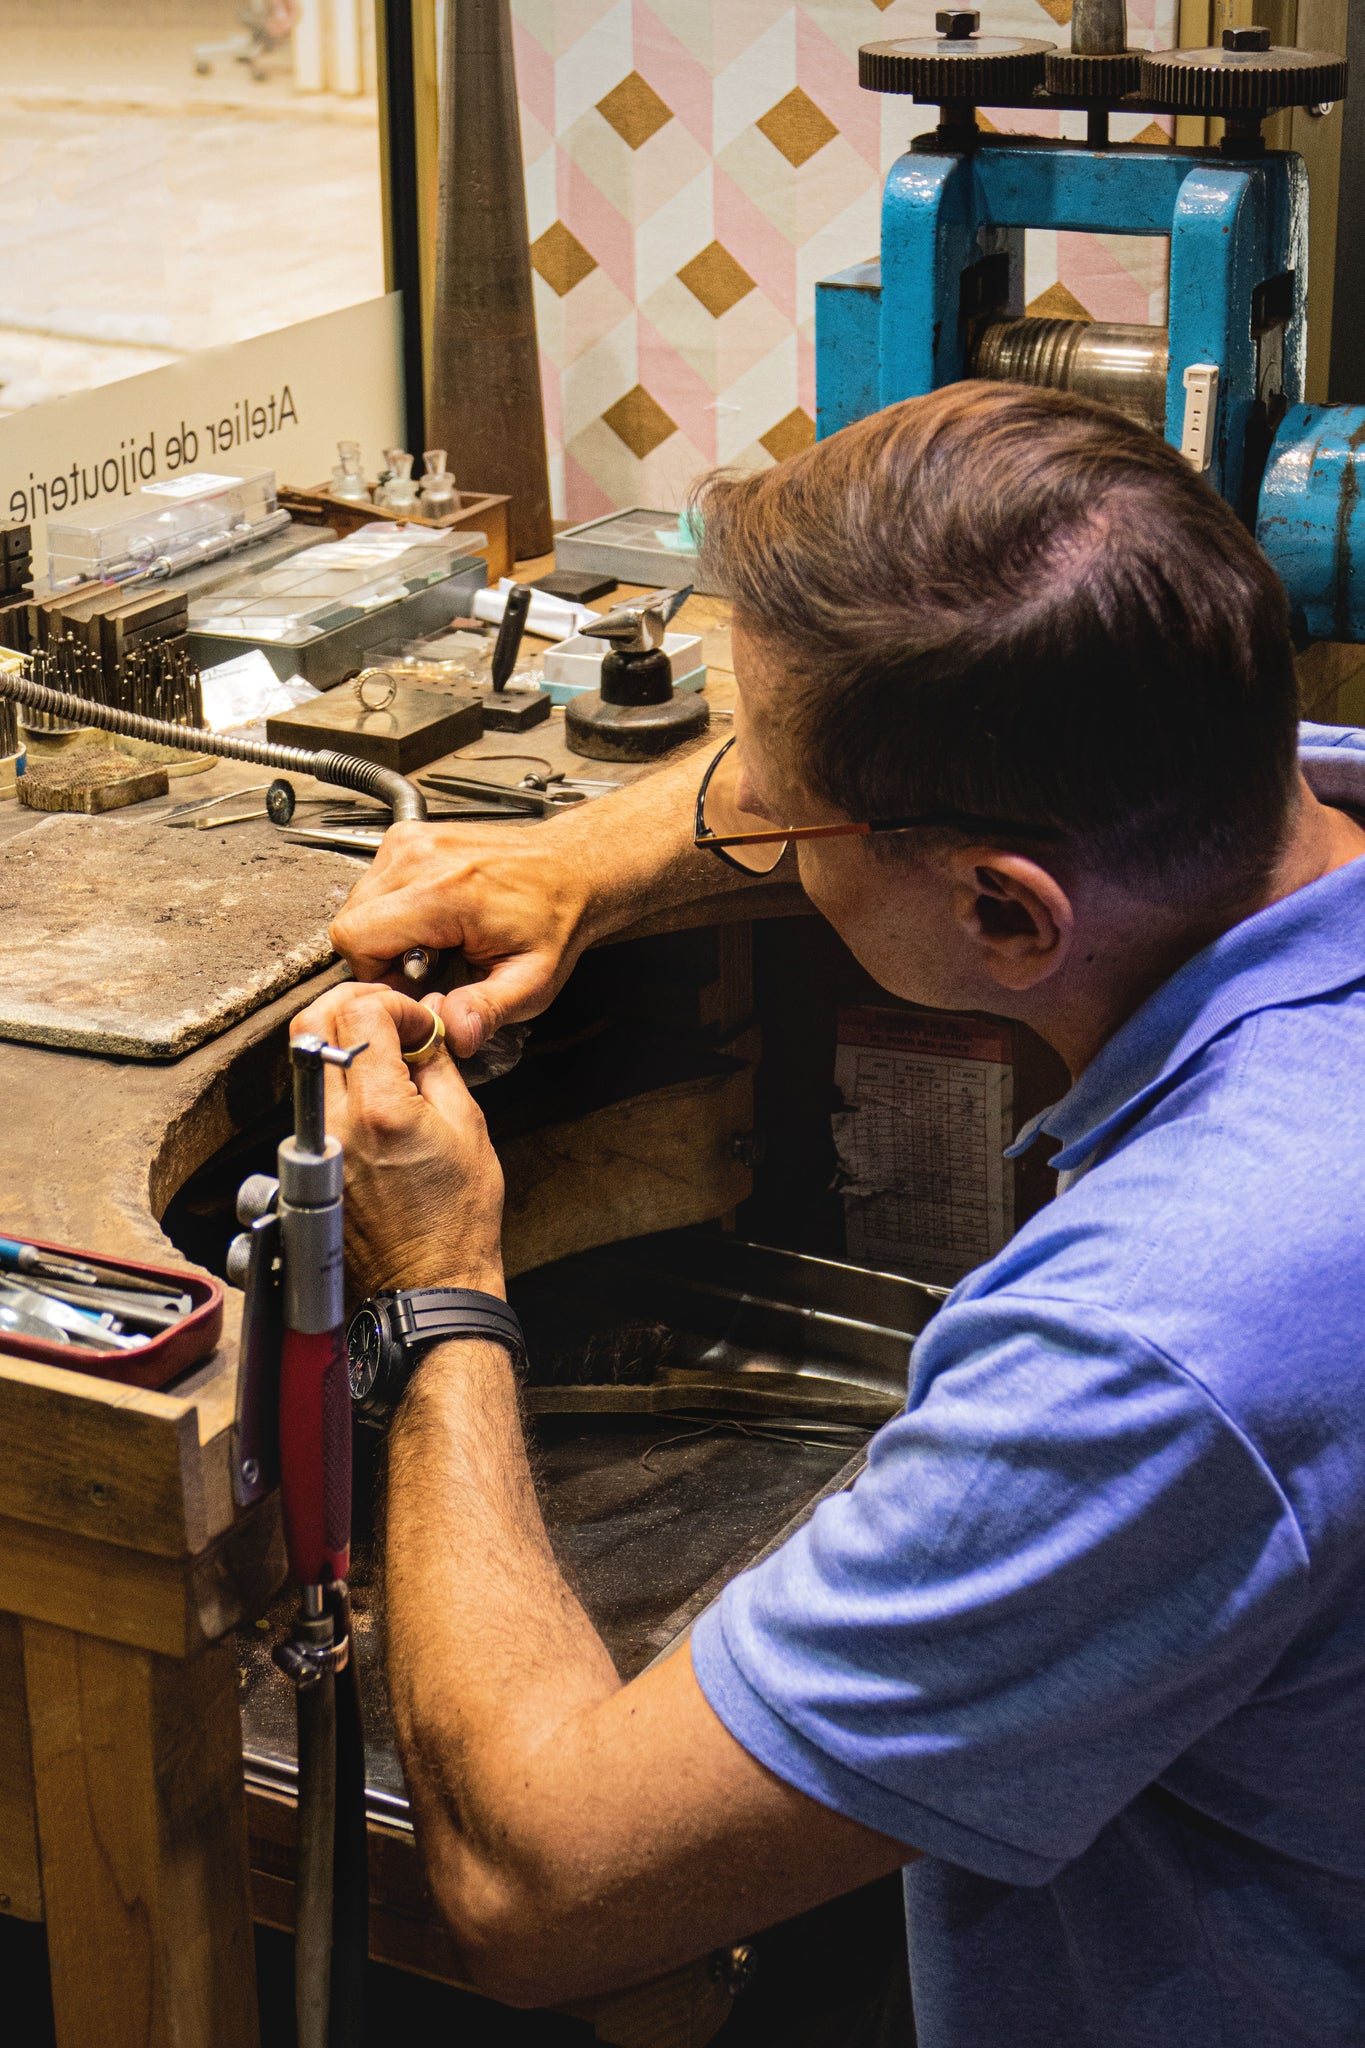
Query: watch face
{"x":364,"y":1352}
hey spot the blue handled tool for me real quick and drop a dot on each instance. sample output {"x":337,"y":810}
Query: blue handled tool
{"x":33,"y":1261}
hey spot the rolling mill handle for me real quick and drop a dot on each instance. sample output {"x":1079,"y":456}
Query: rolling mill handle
{"x":404,"y":798}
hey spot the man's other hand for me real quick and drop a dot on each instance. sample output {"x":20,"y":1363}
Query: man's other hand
{"x":423,"y":1184}
{"x":512,"y":902}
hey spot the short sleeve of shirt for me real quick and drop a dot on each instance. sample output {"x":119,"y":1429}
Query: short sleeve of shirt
{"x":1062,"y":1564}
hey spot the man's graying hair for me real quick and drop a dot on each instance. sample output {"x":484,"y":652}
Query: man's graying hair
{"x":1014,"y":603}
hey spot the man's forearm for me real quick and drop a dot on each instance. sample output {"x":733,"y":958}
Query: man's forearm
{"x":578,"y":1834}
{"x":490,"y":1651}
{"x":638,"y":852}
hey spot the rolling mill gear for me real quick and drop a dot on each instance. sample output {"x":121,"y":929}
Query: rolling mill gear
{"x":1223,"y":379}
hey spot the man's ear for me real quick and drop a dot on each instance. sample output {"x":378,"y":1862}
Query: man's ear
{"x":1015,"y":916}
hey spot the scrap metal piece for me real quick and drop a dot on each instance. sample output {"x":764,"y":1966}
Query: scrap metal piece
{"x":89,"y":779}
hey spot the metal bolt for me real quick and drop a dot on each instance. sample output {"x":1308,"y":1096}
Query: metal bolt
{"x":251,"y":1471}
{"x":955,"y":24}
{"x":1323,"y":108}
{"x":747,"y":1147}
{"x":99,"y":1493}
{"x":735,"y":1967}
{"x":1246,"y":38}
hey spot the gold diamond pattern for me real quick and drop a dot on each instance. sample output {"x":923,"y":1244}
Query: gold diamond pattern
{"x":634,"y":110}
{"x":716,"y":279}
{"x":561,"y":259}
{"x":797,"y":128}
{"x":640,"y":421}
{"x":789,"y":436}
{"x":1154,"y":135}
{"x":883,"y":4}
{"x":1057,"y":303}
{"x":1060,"y":10}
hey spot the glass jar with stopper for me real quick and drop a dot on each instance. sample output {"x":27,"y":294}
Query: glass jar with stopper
{"x":400,"y":493}
{"x":439,"y":495}
{"x":348,"y":477}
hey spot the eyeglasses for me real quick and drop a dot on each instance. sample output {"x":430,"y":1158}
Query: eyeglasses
{"x":755,"y":845}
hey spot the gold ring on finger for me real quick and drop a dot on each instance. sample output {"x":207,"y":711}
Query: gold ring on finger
{"x":432,"y":1046}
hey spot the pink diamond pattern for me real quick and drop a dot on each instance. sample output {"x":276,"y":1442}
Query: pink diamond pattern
{"x":710,"y":175}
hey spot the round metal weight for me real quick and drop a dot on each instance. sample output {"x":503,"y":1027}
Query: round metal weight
{"x":632,"y":732}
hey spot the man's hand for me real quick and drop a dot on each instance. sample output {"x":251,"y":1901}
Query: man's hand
{"x":423,"y":1185}
{"x":511,"y":901}
{"x":520,"y":902}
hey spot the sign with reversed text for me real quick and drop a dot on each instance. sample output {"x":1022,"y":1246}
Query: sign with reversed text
{"x":280,"y":401}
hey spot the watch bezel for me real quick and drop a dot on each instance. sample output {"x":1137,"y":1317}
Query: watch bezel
{"x":374,"y":1402}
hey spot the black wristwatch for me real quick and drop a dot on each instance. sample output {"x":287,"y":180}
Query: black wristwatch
{"x":388,"y":1333}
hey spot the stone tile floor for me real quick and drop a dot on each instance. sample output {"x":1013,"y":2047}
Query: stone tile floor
{"x":146,"y":211}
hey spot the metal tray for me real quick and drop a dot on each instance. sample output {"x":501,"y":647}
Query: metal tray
{"x":777,"y":1369}
{"x":626,"y":545}
{"x":186,"y":1344}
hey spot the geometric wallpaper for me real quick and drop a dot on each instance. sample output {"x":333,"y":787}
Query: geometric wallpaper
{"x":692,"y":168}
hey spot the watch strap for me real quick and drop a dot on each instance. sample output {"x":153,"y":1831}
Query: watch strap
{"x":434,"y":1315}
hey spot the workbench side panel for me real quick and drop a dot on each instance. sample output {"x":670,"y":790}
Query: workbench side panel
{"x":104,"y":1460}
{"x":21,"y":1887}
{"x":175,"y":1607}
{"x":142,"y":1834}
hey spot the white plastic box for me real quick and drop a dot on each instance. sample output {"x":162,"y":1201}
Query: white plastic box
{"x":575,"y":665}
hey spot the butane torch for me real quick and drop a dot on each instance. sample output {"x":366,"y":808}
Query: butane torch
{"x":294,"y":1418}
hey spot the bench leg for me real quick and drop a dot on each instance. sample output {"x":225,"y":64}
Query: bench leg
{"x":137,"y":1775}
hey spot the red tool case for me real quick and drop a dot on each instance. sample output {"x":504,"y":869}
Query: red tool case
{"x":156,"y":1363}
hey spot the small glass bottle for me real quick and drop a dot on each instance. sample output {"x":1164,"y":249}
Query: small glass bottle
{"x":439,"y":495}
{"x":400,"y":493}
{"x":348,"y":478}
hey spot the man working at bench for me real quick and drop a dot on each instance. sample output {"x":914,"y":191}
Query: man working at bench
{"x":1084,"y":1647}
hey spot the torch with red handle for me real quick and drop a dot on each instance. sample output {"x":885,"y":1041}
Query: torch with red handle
{"x":315,"y":1400}
{"x":293,"y":1372}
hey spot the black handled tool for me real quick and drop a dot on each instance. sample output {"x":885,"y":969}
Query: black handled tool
{"x":511,"y":632}
{"x":514,"y":712}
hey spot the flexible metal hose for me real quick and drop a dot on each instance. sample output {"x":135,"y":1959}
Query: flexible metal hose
{"x":404,"y":798}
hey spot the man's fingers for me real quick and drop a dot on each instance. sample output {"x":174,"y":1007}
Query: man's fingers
{"x":320,"y":1017}
{"x":510,"y":992}
{"x":387,"y":1023}
{"x":373,"y":937}
{"x":350,"y":1003}
{"x":440,"y":1083}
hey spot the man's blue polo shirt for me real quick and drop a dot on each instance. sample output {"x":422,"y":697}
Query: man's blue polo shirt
{"x":1089,"y":1631}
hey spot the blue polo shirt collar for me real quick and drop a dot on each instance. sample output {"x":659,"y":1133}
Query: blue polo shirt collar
{"x":1306,"y":946}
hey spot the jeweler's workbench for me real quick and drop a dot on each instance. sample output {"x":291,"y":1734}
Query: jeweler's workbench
{"x":170,"y":964}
